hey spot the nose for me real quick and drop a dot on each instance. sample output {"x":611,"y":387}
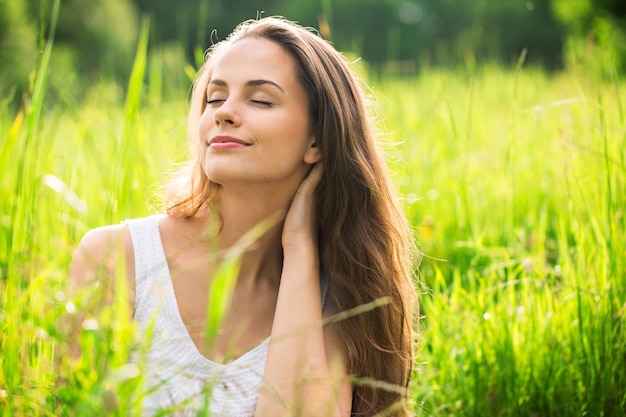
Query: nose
{"x":227,"y":114}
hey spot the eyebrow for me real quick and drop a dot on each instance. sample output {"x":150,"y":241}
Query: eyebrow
{"x":251,"y":83}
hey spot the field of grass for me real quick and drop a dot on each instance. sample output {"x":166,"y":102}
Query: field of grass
{"x":515,"y":182}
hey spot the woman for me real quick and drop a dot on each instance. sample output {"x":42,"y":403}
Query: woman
{"x":278,"y":124}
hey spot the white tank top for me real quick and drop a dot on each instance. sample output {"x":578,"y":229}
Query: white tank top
{"x":179,"y":380}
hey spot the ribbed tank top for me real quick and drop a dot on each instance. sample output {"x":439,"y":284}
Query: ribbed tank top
{"x":179,"y":380}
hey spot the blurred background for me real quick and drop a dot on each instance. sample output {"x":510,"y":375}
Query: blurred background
{"x":95,"y":39}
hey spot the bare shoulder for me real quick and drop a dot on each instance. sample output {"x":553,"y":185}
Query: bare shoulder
{"x":99,"y":254}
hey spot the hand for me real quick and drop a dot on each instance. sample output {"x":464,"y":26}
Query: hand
{"x":300,"y":223}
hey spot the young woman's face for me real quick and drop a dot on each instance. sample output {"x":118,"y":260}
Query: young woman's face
{"x":255,"y":128}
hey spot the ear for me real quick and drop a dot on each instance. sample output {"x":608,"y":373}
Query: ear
{"x":313,"y":153}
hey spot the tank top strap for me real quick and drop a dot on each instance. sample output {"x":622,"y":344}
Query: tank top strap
{"x":147,"y":245}
{"x":150,"y":261}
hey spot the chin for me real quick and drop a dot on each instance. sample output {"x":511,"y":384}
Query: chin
{"x":225,"y":177}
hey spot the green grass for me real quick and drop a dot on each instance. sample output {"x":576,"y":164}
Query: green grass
{"x":515,"y":182}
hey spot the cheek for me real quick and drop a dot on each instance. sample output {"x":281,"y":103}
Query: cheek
{"x":204,"y":124}
{"x":298,"y":136}
{"x":200,"y":139}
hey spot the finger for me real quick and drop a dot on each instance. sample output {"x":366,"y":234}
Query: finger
{"x":315,"y":175}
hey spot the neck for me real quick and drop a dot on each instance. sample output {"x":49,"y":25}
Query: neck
{"x":241,"y":212}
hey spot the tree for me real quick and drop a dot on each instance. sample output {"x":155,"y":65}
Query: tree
{"x":595,"y":32}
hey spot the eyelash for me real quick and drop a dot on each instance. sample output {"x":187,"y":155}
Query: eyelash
{"x":262,"y":103}
{"x":259,"y":102}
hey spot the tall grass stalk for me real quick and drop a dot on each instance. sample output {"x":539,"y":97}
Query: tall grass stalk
{"x":19,"y":383}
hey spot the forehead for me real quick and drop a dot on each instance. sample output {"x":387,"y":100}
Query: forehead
{"x":253,"y":58}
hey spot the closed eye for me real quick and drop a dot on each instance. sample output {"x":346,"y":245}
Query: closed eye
{"x":214,"y":101}
{"x":262,"y":103}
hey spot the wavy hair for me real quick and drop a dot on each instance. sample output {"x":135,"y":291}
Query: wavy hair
{"x":366,"y":245}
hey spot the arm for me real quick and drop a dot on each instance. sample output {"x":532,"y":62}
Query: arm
{"x":100,"y":256}
{"x":305,"y":372}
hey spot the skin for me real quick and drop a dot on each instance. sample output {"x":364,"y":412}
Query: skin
{"x":273,"y":165}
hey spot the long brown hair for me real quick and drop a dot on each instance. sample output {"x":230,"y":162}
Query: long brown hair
{"x":364,"y":238}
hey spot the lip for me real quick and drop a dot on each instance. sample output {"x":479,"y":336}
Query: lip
{"x":227,"y":142}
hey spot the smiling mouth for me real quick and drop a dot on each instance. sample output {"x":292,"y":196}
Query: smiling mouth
{"x":227,"y":142}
